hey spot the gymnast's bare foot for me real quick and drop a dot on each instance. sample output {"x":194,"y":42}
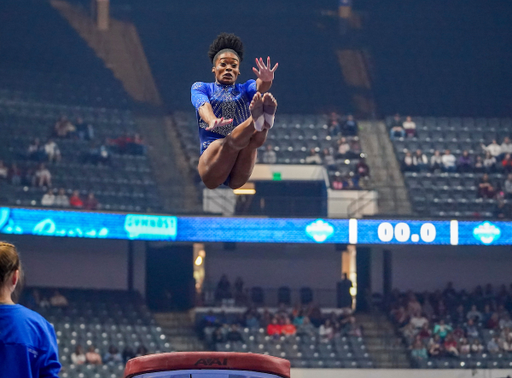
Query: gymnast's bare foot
{"x":269,"y":110}
{"x":256,"y":109}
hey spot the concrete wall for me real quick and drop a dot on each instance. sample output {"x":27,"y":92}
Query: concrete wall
{"x":429,"y":268}
{"x":79,"y":263}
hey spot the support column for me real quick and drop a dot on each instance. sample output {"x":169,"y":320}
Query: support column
{"x":130,"y":265}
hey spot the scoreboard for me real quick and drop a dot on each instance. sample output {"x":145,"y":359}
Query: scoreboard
{"x":98,"y":225}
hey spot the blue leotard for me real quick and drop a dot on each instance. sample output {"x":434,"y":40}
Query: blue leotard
{"x":228,"y":101}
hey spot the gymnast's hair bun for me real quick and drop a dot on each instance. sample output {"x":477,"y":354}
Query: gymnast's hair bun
{"x":226,"y":41}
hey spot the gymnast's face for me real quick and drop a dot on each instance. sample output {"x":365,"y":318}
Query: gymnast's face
{"x":227,"y":69}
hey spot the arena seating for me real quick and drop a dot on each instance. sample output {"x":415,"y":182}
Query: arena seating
{"x":292,"y":138}
{"x":102,"y":319}
{"x":451,"y":193}
{"x":124,"y":184}
{"x":344,"y":350}
{"x":453,"y":308}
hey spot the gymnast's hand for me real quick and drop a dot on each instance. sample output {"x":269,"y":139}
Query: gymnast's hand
{"x":218,"y":122}
{"x":264,"y":73}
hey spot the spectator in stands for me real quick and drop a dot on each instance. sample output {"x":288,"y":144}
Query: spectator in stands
{"x":476,"y":346}
{"x":493,"y":346}
{"x":500,"y":210}
{"x":93,"y":357}
{"x":493,"y":322}
{"x":506,"y":147}
{"x":450,"y":346}
{"x":141,"y":351}
{"x":396,"y":121}
{"x":288,"y":329}
{"x":506,"y":163}
{"x":217,"y":336}
{"x":58,"y":300}
{"x":313,"y":157}
{"x":251,"y":321}
{"x":420,"y":160}
{"x":48,"y":198}
{"x":419,"y":352}
{"x":4,"y":172}
{"x":489,"y":163}
{"x":343,"y":148}
{"x":306,"y":328}
{"x":234,"y":334}
{"x":84,"y":131}
{"x":112,"y":356}
{"x":408,"y":163}
{"x":329,"y":161}
{"x":91,"y":203}
{"x":442,"y":329}
{"x":36,"y":151}
{"x":448,"y":162}
{"x":474,"y":314}
{"x":362,"y":169}
{"x":15,"y":175}
{"x":42,"y":176}
{"x":269,"y":155}
{"x":350,"y":126}
{"x":64,"y":128}
{"x":435,"y":346}
{"x":326,"y":331}
{"x":465,"y":163}
{"x":409,"y":127}
{"x":485,"y":188}
{"x":239,"y":292}
{"x":274,"y":328}
{"x":436,"y":161}
{"x":464,"y":347}
{"x":337,"y":183}
{"x":494,"y":148}
{"x":418,"y":321}
{"x":75,"y":200}
{"x":507,"y":186}
{"x":479,"y":165}
{"x":334,"y":124}
{"x":78,"y":356}
{"x":223,"y":290}
{"x":61,"y":200}
{"x":396,"y":128}
{"x":505,"y":322}
{"x":52,"y":151}
{"x":128,"y":354}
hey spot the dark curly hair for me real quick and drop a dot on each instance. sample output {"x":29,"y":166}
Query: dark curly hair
{"x":226,"y":41}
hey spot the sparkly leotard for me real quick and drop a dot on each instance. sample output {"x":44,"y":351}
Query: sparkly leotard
{"x":228,"y":101}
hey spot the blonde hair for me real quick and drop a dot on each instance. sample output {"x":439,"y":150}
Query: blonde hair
{"x":9,"y":261}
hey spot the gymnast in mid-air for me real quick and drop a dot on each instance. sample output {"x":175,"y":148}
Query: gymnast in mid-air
{"x":233,"y":119}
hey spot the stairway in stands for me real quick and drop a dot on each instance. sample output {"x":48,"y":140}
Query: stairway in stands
{"x":385,"y":171}
{"x":385,"y":347}
{"x":180,"y":330}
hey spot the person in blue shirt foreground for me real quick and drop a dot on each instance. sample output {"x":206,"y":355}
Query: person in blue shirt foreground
{"x":28,"y":346}
{"x":233,"y":119}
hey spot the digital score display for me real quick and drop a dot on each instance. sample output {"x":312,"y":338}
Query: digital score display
{"x":97,"y":225}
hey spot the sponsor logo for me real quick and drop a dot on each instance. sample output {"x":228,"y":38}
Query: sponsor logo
{"x":487,"y":233}
{"x":4,"y":216}
{"x":319,"y":230}
{"x":151,"y":225}
{"x":212,"y":362}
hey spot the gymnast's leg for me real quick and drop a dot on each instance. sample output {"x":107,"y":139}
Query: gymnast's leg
{"x":216,"y":163}
{"x":244,"y":165}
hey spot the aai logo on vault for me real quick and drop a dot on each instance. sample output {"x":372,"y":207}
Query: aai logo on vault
{"x":487,"y":233}
{"x":319,"y":230}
